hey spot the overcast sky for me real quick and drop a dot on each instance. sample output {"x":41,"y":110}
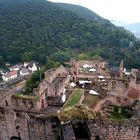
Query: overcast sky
{"x":127,"y":11}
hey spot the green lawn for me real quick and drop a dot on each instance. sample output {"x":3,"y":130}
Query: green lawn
{"x":74,"y":98}
{"x":122,"y":115}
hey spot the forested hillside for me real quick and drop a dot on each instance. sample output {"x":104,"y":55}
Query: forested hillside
{"x":37,"y":29}
{"x":84,"y":12}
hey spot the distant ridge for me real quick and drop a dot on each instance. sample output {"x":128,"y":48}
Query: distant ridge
{"x":134,"y":27}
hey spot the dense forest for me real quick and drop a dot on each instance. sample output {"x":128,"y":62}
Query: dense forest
{"x":83,"y":12}
{"x":38,"y":30}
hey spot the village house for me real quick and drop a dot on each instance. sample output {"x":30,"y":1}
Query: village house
{"x":24,"y":71}
{"x":15,"y":68}
{"x":9,"y":76}
{"x":32,"y":67}
{"x":26,"y":64}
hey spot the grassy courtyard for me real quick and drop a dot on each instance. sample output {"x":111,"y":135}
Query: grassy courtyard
{"x":124,"y":113}
{"x":74,"y":98}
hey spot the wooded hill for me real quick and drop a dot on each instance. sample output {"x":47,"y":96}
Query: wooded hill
{"x":38,"y":29}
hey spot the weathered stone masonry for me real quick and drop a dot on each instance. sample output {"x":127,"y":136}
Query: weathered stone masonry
{"x":26,"y":118}
{"x":106,"y":130}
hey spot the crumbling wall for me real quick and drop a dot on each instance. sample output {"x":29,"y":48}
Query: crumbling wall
{"x":13,"y":124}
{"x":106,"y":130}
{"x":21,"y":125}
{"x":3,"y":126}
{"x":22,"y":103}
{"x":51,"y":74}
{"x":119,"y":100}
{"x":125,"y":130}
{"x":5,"y":98}
{"x":41,"y":129}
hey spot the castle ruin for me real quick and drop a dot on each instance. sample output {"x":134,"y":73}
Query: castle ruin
{"x":36,"y":116}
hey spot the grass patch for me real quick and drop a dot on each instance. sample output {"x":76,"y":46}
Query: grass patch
{"x":22,"y":96}
{"x":76,"y":113}
{"x":124,"y":113}
{"x":74,"y":98}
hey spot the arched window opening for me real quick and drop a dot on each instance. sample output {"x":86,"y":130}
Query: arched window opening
{"x":30,"y":105}
{"x":42,"y":104}
{"x":2,"y":112}
{"x":6,"y":103}
{"x":97,"y":137}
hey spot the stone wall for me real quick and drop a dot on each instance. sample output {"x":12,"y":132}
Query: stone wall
{"x":106,"y":130}
{"x":67,"y":132}
{"x":51,"y":74}
{"x":26,"y":127}
{"x":32,"y":126}
{"x":5,"y":98}
{"x":98,"y":65}
{"x":129,"y":130}
{"x":55,"y":81}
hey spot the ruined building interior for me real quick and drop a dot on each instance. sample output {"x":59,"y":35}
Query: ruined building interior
{"x":42,"y":115}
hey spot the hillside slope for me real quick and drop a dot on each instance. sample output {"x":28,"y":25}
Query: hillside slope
{"x":82,"y":12}
{"x":34,"y":29}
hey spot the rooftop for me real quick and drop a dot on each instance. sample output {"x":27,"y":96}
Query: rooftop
{"x":11,"y":73}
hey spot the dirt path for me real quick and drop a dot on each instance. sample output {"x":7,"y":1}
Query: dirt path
{"x":99,"y":105}
{"x":19,"y":85}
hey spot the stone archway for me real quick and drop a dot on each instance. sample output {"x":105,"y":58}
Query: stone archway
{"x":97,"y":137}
{"x":15,"y":138}
{"x":81,"y":131}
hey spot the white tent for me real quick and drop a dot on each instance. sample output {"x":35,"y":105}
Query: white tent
{"x":86,"y":66}
{"x":72,"y":84}
{"x":93,"y":92}
{"x":63,"y":98}
{"x":84,"y":82}
{"x":100,"y":77}
{"x":92,"y":70}
{"x":127,"y":73}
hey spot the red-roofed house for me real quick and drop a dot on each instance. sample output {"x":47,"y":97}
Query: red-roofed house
{"x":11,"y":75}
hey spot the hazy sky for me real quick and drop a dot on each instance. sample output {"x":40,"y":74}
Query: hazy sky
{"x":127,"y":11}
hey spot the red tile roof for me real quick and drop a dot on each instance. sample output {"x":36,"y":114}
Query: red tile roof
{"x":11,"y":73}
